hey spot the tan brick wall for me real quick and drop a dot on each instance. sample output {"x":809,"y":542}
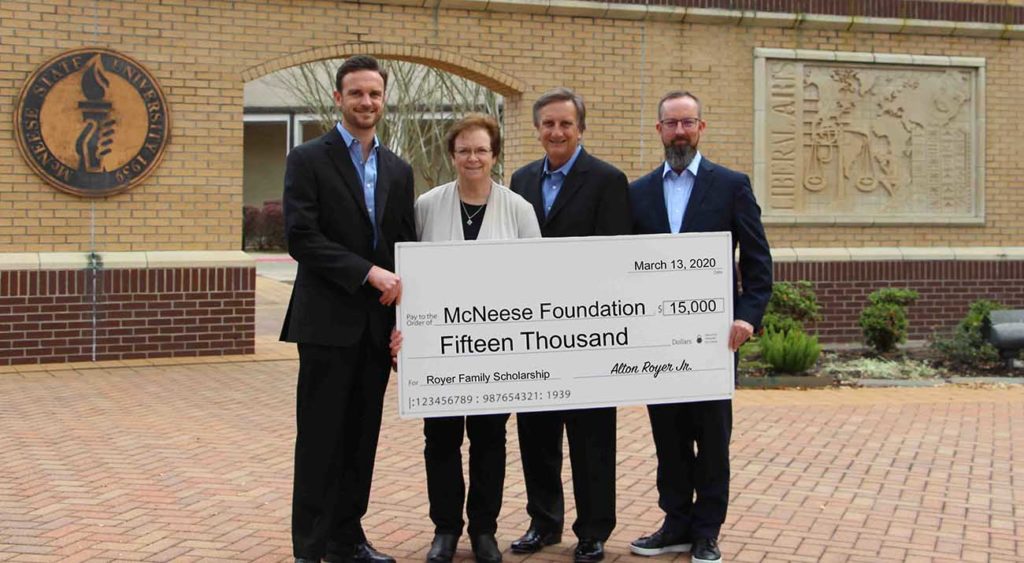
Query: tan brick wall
{"x":202,"y":52}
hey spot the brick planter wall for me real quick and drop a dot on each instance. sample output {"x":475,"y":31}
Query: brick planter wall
{"x":947,"y":288}
{"x":58,"y":316}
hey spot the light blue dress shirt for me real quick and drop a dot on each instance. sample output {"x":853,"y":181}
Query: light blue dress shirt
{"x":367,"y":172}
{"x":678,"y":188}
{"x":553,"y":180}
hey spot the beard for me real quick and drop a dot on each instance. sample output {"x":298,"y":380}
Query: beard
{"x":361,"y":120}
{"x":679,"y":157}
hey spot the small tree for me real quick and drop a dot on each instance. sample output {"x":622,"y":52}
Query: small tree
{"x":884,"y":322}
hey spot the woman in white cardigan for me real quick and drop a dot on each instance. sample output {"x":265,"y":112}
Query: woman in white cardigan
{"x":472,"y":207}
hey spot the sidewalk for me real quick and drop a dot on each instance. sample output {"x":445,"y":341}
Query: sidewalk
{"x":190,"y":460}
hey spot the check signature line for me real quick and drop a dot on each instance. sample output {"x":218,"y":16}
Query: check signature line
{"x":641,"y":373}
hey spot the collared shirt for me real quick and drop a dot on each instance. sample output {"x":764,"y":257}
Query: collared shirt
{"x":367,"y":172}
{"x":553,"y":180}
{"x":678,"y":188}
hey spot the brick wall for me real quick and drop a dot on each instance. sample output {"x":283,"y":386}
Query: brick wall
{"x":621,"y":57}
{"x":947,"y":288}
{"x":66,"y":315}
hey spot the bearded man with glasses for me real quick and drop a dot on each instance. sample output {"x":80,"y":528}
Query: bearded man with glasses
{"x":688,"y":193}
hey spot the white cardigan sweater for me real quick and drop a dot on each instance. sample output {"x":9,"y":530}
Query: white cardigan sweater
{"x":508,"y":215}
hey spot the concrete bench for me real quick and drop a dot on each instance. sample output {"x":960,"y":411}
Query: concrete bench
{"x":1005,"y":331}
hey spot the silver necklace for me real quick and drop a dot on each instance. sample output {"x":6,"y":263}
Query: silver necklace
{"x":469,"y":218}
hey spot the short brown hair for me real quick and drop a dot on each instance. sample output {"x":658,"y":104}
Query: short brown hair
{"x":475,"y":121}
{"x":562,"y":95}
{"x":356,"y":63}
{"x":675,"y":95}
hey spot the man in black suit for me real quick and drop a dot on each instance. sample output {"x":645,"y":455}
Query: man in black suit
{"x":347,"y":201}
{"x":574,"y":194}
{"x":689,"y":193}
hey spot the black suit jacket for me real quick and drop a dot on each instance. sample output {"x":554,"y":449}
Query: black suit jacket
{"x":330,"y":236}
{"x":593,"y":200}
{"x":721,"y":200}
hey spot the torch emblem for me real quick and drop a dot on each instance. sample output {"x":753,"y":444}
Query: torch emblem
{"x":98,"y":133}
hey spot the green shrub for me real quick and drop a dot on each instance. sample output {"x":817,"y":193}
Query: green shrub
{"x":794,"y":301}
{"x":778,"y":323}
{"x":792,"y":351}
{"x":967,"y":347}
{"x":791,"y":305}
{"x":977,"y":316}
{"x":894,"y":296}
{"x":884,"y":321}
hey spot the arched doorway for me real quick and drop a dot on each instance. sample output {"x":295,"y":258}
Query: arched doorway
{"x":293,"y":104}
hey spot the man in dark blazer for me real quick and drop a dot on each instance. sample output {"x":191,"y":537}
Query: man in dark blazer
{"x":689,"y":193}
{"x":347,"y":201}
{"x":574,"y":194}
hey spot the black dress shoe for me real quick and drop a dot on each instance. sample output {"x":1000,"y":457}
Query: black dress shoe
{"x":485,"y":548}
{"x":660,"y":542}
{"x":588,"y":551}
{"x":705,"y":550}
{"x":306,"y":560}
{"x":360,"y":553}
{"x":533,"y":540}
{"x":442,"y":549}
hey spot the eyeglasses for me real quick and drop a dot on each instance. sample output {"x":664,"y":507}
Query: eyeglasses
{"x":686,"y":122}
{"x":480,"y":152}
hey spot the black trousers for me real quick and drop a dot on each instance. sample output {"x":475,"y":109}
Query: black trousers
{"x":692,"y":441}
{"x":338,"y":411}
{"x":446,"y":487}
{"x":591,"y":435}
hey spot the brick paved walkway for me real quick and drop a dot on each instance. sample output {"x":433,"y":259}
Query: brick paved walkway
{"x":182,"y":462}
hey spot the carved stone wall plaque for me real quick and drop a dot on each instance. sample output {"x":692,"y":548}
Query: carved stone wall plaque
{"x":92,"y":122}
{"x":858,"y":138}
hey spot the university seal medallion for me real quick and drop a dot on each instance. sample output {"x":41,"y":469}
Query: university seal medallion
{"x":92,"y":122}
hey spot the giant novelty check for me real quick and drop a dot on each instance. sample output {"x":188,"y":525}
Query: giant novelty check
{"x":564,"y":323}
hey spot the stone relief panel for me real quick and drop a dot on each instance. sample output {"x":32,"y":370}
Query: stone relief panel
{"x":867,"y":143}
